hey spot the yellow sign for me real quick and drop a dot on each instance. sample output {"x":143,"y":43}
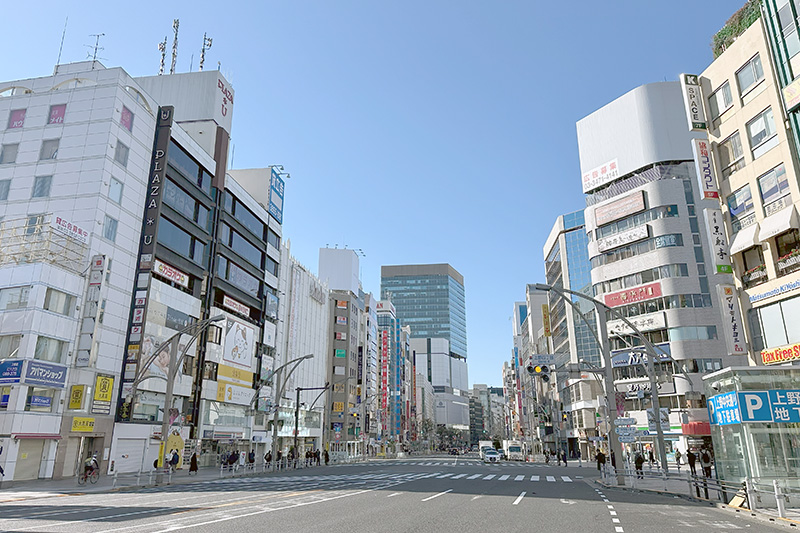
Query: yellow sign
{"x":103,"y":388}
{"x":76,"y":394}
{"x":235,"y":375}
{"x":82,"y":424}
{"x":338,"y":407}
{"x":546,"y":319}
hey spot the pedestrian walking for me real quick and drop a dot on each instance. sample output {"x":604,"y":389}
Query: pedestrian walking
{"x":613,"y":459}
{"x":173,"y":462}
{"x":678,"y":459}
{"x":268,"y":458}
{"x":327,"y":457}
{"x":639,"y":463}
{"x":578,"y":453}
{"x":193,"y":464}
{"x":251,"y":458}
{"x":705,"y":461}
{"x":564,"y":457}
{"x":242,"y":459}
{"x":692,"y":461}
{"x":319,"y":457}
{"x":601,"y":460}
{"x":278,"y":460}
{"x":651,"y":458}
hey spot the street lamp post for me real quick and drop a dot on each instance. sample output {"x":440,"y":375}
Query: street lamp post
{"x":297,"y":410}
{"x":602,"y":333}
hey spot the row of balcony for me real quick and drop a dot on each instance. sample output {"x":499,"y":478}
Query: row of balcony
{"x":785,"y":265}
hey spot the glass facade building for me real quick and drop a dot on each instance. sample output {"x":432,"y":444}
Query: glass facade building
{"x":430,"y":299}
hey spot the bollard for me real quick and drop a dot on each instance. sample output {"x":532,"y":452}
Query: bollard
{"x":139,"y":477}
{"x":150,"y":478}
{"x":665,"y":481}
{"x":751,"y":494}
{"x":114,"y":480}
{"x":779,"y":499}
{"x":689,"y":480}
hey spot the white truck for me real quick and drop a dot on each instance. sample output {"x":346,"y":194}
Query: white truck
{"x":484,"y":445}
{"x":513,"y":450}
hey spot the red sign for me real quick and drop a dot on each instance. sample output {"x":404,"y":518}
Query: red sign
{"x":16,"y":119}
{"x":629,"y":296}
{"x":781,"y":354}
{"x":235,"y":306}
{"x":126,"y":119}
{"x":57,"y":113}
{"x":385,"y":369}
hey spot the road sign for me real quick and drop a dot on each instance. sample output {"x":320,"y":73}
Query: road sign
{"x":627,"y":438}
{"x":596,"y":439}
{"x":663,"y":418}
{"x":641,"y":433}
{"x":624,"y":421}
{"x":543,"y":359}
{"x":624,"y":430}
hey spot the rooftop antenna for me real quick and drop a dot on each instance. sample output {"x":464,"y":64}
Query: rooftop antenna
{"x":162,"y":47}
{"x":96,"y":47}
{"x":175,"y":24}
{"x":206,"y":46}
{"x":60,"y":48}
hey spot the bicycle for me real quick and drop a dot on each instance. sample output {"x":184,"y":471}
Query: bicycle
{"x":92,"y":476}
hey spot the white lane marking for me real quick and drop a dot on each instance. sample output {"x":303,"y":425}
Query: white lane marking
{"x":394,"y":494}
{"x":551,"y":478}
{"x":487,"y":478}
{"x":474,"y":476}
{"x":619,"y":529}
{"x":566,"y":479}
{"x":458,"y":476}
{"x":534,"y":478}
{"x":615,"y":520}
{"x":519,"y":478}
{"x":444,"y":476}
{"x":613,"y":513}
{"x":437,"y":495}
{"x":519,"y":498}
{"x":605,"y":500}
{"x":610,"y":506}
{"x":503,"y":478}
{"x":476,"y":497}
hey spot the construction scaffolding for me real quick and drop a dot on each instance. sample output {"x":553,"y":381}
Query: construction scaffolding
{"x":43,"y":238}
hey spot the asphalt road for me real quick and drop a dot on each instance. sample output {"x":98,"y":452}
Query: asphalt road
{"x":446,"y":494}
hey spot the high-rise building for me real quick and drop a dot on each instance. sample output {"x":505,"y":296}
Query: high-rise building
{"x":430,"y":299}
{"x":651,"y":256}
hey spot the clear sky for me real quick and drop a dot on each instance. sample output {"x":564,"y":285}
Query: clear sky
{"x":419,"y":131}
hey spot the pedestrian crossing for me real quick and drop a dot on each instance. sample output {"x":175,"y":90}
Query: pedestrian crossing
{"x":460,"y":462}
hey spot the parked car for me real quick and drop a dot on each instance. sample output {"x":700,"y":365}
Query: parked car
{"x":491,"y":456}
{"x":453,"y":451}
{"x":502,"y":453}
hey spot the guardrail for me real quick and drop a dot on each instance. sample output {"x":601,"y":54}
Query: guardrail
{"x":152,"y":476}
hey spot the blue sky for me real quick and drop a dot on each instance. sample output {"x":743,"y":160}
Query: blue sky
{"x":418,"y":131}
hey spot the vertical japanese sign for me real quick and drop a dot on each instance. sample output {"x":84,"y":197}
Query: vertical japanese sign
{"x":718,"y":241}
{"x":384,"y":370}
{"x":704,"y":168}
{"x":693,"y":101}
{"x":276,"y":187}
{"x":146,"y":256}
{"x":546,"y":319}
{"x":731,"y":320}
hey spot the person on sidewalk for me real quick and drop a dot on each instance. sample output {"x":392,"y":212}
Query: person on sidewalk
{"x":173,"y":462}
{"x":193,"y":464}
{"x":705,"y":461}
{"x":564,"y":457}
{"x":601,"y":460}
{"x":251,"y":458}
{"x":692,"y":461}
{"x":242,"y":460}
{"x":268,"y":459}
{"x":639,"y":463}
{"x":327,"y":457}
{"x":678,"y":459}
{"x":578,"y":453}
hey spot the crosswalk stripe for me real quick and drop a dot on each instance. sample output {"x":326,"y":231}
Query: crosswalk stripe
{"x":474,"y":476}
{"x":458,"y":476}
{"x":534,"y":478}
{"x":503,"y":478}
{"x":519,"y":498}
{"x":443,"y":476}
{"x":519,"y":478}
{"x":550,"y":478}
{"x":566,"y":479}
{"x":490,"y":476}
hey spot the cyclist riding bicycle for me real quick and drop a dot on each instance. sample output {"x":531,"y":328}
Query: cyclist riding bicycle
{"x":91,"y":465}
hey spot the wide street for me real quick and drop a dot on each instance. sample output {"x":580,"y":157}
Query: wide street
{"x":416,"y":494}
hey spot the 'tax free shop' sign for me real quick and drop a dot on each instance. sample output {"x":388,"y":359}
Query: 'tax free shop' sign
{"x":781,"y":354}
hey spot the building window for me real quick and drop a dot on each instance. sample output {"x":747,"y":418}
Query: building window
{"x":5,"y":186}
{"x":57,"y":113}
{"x":720,"y":100}
{"x":115,"y":190}
{"x":731,"y":154}
{"x":9,"y":346}
{"x":750,"y":74}
{"x":59,"y":302}
{"x":110,"y":228}
{"x":740,"y":206}
{"x":14,"y":298}
{"x":126,"y":119}
{"x":759,"y":131}
{"x":271,"y":266}
{"x":40,"y":400}
{"x":180,"y":242}
{"x":49,"y":149}
{"x":273,"y":239}
{"x":34,"y":224}
{"x":49,"y":349}
{"x":16,"y":119}
{"x":8,"y":154}
{"x":774,"y":186}
{"x":41,"y":186}
{"x":788,"y":25}
{"x":121,"y":154}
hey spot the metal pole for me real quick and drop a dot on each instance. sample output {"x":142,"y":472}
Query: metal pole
{"x":656,"y":404}
{"x":296,"y":423}
{"x":165,"y":422}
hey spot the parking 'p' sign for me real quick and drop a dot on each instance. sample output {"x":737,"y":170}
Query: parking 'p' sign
{"x":755,"y":406}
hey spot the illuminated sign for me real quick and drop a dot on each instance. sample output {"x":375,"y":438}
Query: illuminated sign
{"x":781,"y":354}
{"x":638,"y":294}
{"x":617,"y":209}
{"x":171,"y":273}
{"x":693,"y":101}
{"x":704,"y":168}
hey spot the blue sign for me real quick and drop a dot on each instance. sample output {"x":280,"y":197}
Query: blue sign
{"x":40,"y":401}
{"x":10,"y":371}
{"x":785,"y":405}
{"x":276,"y":187}
{"x":47,"y":374}
{"x":755,"y":406}
{"x":723,"y":409}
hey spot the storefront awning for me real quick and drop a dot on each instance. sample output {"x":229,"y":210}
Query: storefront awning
{"x":697,"y":427}
{"x":744,"y":239}
{"x":782,"y":221}
{"x":53,"y":436}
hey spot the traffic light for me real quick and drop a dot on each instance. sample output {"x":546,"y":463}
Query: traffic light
{"x":543,"y":371}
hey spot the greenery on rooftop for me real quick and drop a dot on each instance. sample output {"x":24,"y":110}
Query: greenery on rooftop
{"x":736,"y":25}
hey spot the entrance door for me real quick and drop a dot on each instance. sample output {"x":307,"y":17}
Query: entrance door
{"x":71,"y":457}
{"x":29,"y":459}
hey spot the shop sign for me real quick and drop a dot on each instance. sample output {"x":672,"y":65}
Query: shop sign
{"x":338,"y":407}
{"x":786,"y":287}
{"x":82,"y":424}
{"x":104,"y":388}
{"x":693,"y":102}
{"x":276,"y":188}
{"x":771,"y":406}
{"x":791,"y":95}
{"x":623,"y":237}
{"x":76,"y":394}
{"x":341,"y":336}
{"x":47,"y":374}
{"x":171,"y":273}
{"x":617,"y":209}
{"x":546,"y":320}
{"x":704,"y":168}
{"x":638,"y":294}
{"x":341,"y":320}
{"x":600,"y":175}
{"x":781,"y":354}
{"x":731,"y":320}
{"x":269,"y":334}
{"x":634,"y":387}
{"x":341,"y":304}
{"x":10,"y":371}
{"x":720,"y":247}
{"x":648,"y":322}
{"x":235,"y":306}
{"x":69,"y":229}
{"x":340,"y":353}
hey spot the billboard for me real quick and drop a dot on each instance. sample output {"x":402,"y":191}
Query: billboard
{"x":638,"y":294}
{"x":600,"y":175}
{"x":633,"y":203}
{"x":239,"y":344}
{"x":693,"y":102}
{"x":732,"y":325}
{"x":276,"y":187}
{"x":718,"y":240}
{"x":704,"y":168}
